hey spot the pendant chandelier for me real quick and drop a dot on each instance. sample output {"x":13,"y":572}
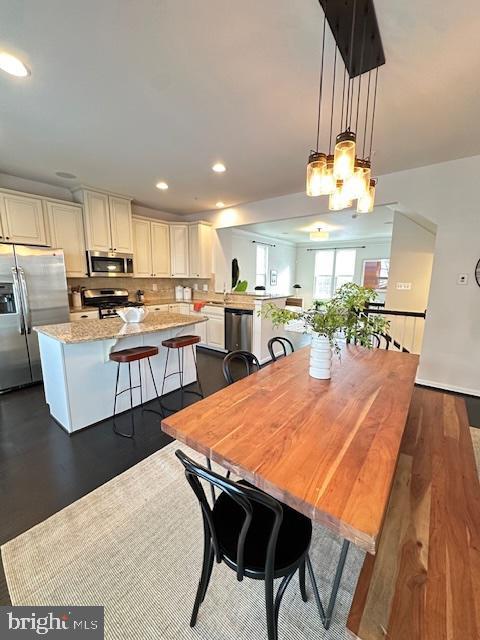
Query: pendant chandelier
{"x":345,"y":174}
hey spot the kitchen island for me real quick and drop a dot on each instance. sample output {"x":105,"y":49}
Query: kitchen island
{"x":79,"y":378}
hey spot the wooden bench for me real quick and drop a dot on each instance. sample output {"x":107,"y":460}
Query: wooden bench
{"x":424,"y":581}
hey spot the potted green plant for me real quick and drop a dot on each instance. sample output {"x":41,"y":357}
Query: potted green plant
{"x":343,"y":315}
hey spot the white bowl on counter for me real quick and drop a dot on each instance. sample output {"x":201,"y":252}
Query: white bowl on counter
{"x":132,"y":314}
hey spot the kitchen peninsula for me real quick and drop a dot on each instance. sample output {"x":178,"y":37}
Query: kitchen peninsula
{"x":79,"y":378}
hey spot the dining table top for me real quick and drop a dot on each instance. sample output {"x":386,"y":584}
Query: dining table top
{"x":327,"y":448}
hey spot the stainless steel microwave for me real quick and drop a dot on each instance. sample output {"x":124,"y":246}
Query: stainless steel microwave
{"x":109,"y":264}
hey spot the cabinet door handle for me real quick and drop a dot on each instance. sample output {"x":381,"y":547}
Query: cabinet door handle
{"x":84,"y":316}
{"x":7,"y":238}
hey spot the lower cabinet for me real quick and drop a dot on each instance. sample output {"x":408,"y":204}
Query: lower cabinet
{"x":215,"y":327}
{"x":77,"y":316}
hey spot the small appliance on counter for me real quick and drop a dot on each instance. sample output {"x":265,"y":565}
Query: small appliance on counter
{"x":140,"y":295}
{"x":76,"y":299}
{"x":178,"y":293}
{"x":107,"y":301}
{"x":187,"y":293}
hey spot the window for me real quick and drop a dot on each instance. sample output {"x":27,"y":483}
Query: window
{"x":375,"y":274}
{"x":261,"y":266}
{"x":333,"y":268}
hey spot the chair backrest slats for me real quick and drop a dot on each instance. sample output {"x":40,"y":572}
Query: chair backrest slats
{"x":283,"y":342}
{"x":249,"y":360}
{"x":245,"y":497}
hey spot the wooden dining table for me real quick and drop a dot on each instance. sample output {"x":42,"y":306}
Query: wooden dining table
{"x":327,"y":448}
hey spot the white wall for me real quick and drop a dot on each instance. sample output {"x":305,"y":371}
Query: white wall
{"x":281,"y":258}
{"x":447,"y":195}
{"x":411,"y":261}
{"x":306,"y":262}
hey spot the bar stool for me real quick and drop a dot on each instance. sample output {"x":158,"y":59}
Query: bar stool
{"x":179,"y":343}
{"x":128,"y":356}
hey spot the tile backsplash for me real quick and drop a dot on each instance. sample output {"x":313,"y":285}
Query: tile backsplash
{"x":165,"y":286}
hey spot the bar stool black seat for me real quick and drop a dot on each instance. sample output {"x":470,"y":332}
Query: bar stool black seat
{"x":284,"y":343}
{"x":253,"y":534}
{"x":127,"y":356}
{"x":179,"y":343}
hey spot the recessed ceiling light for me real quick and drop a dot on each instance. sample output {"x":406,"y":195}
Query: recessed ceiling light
{"x":220,"y":205}
{"x":219,"y":167}
{"x":65,"y":174}
{"x":163,"y":186}
{"x":12,"y":65}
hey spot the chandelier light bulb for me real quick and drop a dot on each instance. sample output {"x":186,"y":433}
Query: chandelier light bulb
{"x":337,"y":200}
{"x":319,"y":235}
{"x":357,"y":185}
{"x":317,"y":163}
{"x":344,"y":157}
{"x":366,"y":203}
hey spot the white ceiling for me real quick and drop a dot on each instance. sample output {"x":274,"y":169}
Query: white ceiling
{"x":124,"y":94}
{"x":340,"y":225}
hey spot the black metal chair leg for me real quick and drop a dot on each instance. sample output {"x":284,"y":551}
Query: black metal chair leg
{"x":180,"y":371}
{"x":205,"y":575}
{"x":301,"y":579}
{"x":132,"y":419}
{"x":163,"y":383}
{"x":115,"y":399}
{"x":140,"y":384}
{"x":212,"y":489}
{"x":194,"y":352}
{"x":115,"y":430}
{"x":161,"y":413}
{"x":270,"y":609}
{"x":278,"y":598}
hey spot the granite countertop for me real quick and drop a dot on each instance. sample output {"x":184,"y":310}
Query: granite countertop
{"x":111,"y":328}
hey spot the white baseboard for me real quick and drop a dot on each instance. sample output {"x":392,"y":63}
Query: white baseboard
{"x":448,"y":387}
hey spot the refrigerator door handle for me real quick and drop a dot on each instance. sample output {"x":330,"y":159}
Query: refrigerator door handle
{"x":25,"y":302}
{"x":18,"y":305}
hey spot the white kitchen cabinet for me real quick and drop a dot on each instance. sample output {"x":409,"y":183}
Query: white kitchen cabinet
{"x":142,"y":248}
{"x":77,"y":316}
{"x":22,"y":219}
{"x":121,"y":224}
{"x":200,"y":250}
{"x":201,"y":327}
{"x":151,"y":249}
{"x":215,"y":330}
{"x":66,"y":232}
{"x":108,"y":221}
{"x":163,"y":308}
{"x":173,"y":308}
{"x":160,"y":249}
{"x":179,"y":250}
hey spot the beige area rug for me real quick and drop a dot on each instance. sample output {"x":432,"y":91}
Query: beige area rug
{"x":476,"y":445}
{"x":134,"y":545}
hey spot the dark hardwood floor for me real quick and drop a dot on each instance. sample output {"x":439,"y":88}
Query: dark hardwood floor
{"x":43,"y":469}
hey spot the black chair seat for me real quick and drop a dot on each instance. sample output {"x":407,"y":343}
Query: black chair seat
{"x":293,"y":539}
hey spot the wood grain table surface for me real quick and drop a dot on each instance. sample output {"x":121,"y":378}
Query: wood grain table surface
{"x":327,"y":448}
{"x":424,"y":582}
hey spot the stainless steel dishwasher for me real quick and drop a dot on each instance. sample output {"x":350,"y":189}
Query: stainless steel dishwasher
{"x":238,"y":329}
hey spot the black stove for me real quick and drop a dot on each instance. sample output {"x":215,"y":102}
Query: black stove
{"x":107,"y":301}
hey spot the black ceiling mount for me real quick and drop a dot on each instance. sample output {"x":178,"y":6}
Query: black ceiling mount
{"x":366,"y":34}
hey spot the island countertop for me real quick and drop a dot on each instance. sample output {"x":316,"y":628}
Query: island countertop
{"x":111,"y":328}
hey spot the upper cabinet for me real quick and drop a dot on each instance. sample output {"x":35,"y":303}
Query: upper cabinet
{"x":179,"y":250}
{"x":108,"y":221}
{"x":151,"y":249}
{"x":160,"y":250}
{"x":121,"y":224}
{"x":22,"y":219}
{"x":66,"y":232}
{"x":200,"y":250}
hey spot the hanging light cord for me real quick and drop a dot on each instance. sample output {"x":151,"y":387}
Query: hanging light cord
{"x":366,"y":114}
{"x":352,"y":40}
{"x":361,"y":69}
{"x":320,"y":89}
{"x":373,"y":113}
{"x":343,"y":97}
{"x":333,"y":100}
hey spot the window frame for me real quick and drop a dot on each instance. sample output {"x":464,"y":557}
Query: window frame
{"x":333,"y":276}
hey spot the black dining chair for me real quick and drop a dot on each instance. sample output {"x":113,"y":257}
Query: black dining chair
{"x":284,"y":343}
{"x":378,"y":338}
{"x":248,"y":359}
{"x":254,"y":535}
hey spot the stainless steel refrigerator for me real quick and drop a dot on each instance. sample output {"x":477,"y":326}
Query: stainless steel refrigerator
{"x":33,"y":291}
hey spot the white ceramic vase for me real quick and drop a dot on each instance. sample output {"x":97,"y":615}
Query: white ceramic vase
{"x":320,"y":357}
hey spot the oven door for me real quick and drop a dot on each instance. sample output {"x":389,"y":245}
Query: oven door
{"x":109,"y":265}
